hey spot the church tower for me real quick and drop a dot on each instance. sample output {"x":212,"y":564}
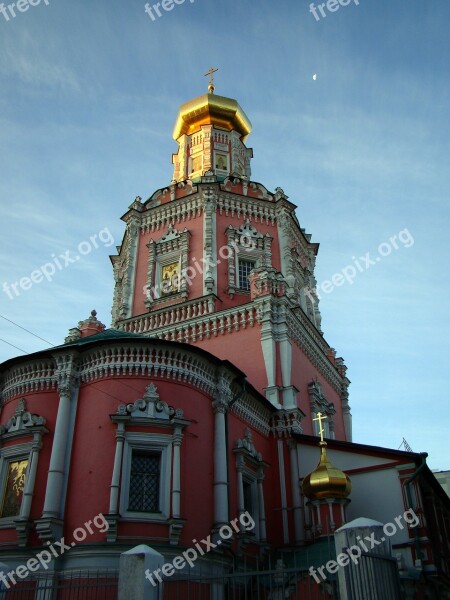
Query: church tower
{"x":216,"y":260}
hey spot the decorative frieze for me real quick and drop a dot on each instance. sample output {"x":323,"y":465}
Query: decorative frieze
{"x":174,"y":323}
{"x":254,"y":413}
{"x":246,"y":208}
{"x":29,"y":376}
{"x":146,"y":360}
{"x":301,"y":336}
{"x":181,"y":210}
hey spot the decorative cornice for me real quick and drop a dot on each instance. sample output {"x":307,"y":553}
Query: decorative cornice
{"x":254,"y":413}
{"x":146,"y":360}
{"x":169,"y":325}
{"x":301,"y":336}
{"x":183,"y":209}
{"x":253,"y":209}
{"x":29,"y":376}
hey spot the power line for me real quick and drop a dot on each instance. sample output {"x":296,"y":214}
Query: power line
{"x":16,"y":347}
{"x":27,"y":330}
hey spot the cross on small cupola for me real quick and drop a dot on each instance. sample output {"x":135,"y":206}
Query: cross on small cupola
{"x":211,"y":72}
{"x":320,"y":417}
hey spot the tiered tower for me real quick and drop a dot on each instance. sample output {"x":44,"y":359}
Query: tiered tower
{"x":216,"y":260}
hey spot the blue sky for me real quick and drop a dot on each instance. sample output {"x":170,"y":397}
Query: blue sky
{"x":89,"y":93}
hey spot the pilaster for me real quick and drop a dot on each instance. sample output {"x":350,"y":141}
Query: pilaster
{"x":209,"y":242}
{"x":222,"y":399}
{"x":50,"y":525}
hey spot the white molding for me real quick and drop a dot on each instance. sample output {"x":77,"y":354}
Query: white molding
{"x":149,"y":442}
{"x":7,"y":455}
{"x":29,"y":376}
{"x":147,"y":360}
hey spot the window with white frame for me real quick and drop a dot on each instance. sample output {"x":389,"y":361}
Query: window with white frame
{"x":168,"y":260}
{"x":147,"y":464}
{"x":14,"y":463}
{"x":319,"y":404}
{"x":18,"y":466}
{"x":250,"y":469}
{"x":146,"y":475}
{"x":246,"y":248}
{"x":245,"y":266}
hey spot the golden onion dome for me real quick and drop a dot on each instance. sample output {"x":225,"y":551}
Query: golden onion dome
{"x":210,"y":109}
{"x":326,"y":481}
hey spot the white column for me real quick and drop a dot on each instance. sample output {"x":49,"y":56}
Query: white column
{"x":115,"y":481}
{"x":210,"y":243}
{"x":240,"y":486}
{"x":176,"y":480}
{"x":262,"y":512}
{"x":220,"y":466}
{"x":31,"y":478}
{"x":296,"y":501}
{"x":55,"y":480}
{"x":347,"y":420}
{"x":268,"y":346}
{"x":283,"y":492}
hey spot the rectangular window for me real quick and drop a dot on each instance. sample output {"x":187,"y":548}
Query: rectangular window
{"x":144,"y":482}
{"x":245,"y":266}
{"x":13,"y":489}
{"x":251,"y":505}
{"x":248,"y":497}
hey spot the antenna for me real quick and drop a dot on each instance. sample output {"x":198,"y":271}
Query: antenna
{"x":406,"y":446}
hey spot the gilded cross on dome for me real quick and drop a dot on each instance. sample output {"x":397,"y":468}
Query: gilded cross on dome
{"x":320,"y":418}
{"x":211,"y":72}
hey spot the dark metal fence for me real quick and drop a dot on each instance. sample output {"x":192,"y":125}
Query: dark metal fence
{"x":375,"y":577}
{"x":276,"y":584}
{"x":73,"y":585}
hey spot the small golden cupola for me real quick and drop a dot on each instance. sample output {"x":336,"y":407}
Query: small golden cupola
{"x":326,"y":481}
{"x":327,"y":489}
{"x":211,"y":132}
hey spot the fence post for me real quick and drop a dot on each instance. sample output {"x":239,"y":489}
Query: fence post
{"x":133,"y":566}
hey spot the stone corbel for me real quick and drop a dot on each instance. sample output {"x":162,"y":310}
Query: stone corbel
{"x":175,"y":530}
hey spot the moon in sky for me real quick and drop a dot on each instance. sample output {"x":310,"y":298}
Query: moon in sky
{"x":315,"y":76}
